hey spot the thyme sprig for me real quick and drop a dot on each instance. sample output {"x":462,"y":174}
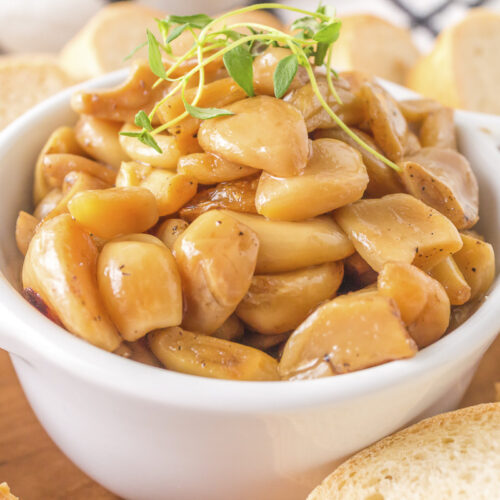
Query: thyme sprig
{"x":311,"y":46}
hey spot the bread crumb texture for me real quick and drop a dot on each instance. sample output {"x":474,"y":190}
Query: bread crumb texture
{"x":455,"y":455}
{"x":5,"y":493}
{"x":26,"y":80}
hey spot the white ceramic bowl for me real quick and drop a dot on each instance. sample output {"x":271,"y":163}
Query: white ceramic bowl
{"x":150,"y":434}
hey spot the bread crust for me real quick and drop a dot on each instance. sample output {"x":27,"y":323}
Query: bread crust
{"x":26,"y":80}
{"x":373,"y":45}
{"x":456,"y":429}
{"x":457,"y":78}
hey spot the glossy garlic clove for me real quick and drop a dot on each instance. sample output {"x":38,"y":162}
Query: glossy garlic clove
{"x":100,"y":140}
{"x":398,"y":228}
{"x":288,"y":246}
{"x":476,"y":261}
{"x":422,"y":301}
{"x":116,"y":211}
{"x":334,"y":176}
{"x":140,"y":285}
{"x":234,"y":195}
{"x":449,"y":275}
{"x":348,"y":333}
{"x":216,"y":256}
{"x":183,"y":351}
{"x":208,"y":168}
{"x":62,"y":140}
{"x":283,"y":147}
{"x":278,"y":303}
{"x":60,"y":266}
{"x":444,"y":180}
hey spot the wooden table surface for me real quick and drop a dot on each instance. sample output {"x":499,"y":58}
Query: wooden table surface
{"x":36,"y":470}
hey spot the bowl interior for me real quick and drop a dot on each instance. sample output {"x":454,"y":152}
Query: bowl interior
{"x":21,"y":143}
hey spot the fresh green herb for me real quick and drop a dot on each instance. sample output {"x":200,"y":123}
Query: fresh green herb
{"x":285,"y":72}
{"x":205,"y":113}
{"x":142,"y":120}
{"x":195,"y":21}
{"x":175,"y":33}
{"x":154,"y":56}
{"x":145,"y":137}
{"x":312,"y":39}
{"x":239,"y":65}
{"x":329,"y":33}
{"x":132,"y":54}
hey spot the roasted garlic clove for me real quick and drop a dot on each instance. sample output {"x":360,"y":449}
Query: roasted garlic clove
{"x":140,"y":285}
{"x":416,"y":110}
{"x":438,"y":129}
{"x":74,"y":183}
{"x":444,"y":180}
{"x":100,"y":139}
{"x":386,"y":122}
{"x":216,"y":256}
{"x":48,"y":203}
{"x":187,"y":352}
{"x":231,"y":329}
{"x":57,"y":166}
{"x":476,"y":261}
{"x":422,"y":301}
{"x":264,"y":66}
{"x":234,"y":195}
{"x":287,"y":246}
{"x":304,"y":98}
{"x":169,"y":230}
{"x":122,"y":103}
{"x":283,"y":147}
{"x":60,"y":266}
{"x":26,"y":226}
{"x":217,"y":94}
{"x":112,"y":212}
{"x":62,"y":140}
{"x":208,"y":168}
{"x":348,"y":333}
{"x":449,"y":275}
{"x":135,"y":149}
{"x":382,"y":178}
{"x":398,"y":228}
{"x":278,"y":303}
{"x":334,"y":176}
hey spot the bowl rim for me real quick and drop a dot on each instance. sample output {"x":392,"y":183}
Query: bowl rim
{"x":45,"y":342}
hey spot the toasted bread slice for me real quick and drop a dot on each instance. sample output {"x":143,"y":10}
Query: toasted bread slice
{"x":5,"y":493}
{"x":116,"y":30}
{"x":462,"y":70}
{"x":26,"y":80}
{"x":374,"y":46}
{"x":108,"y":38}
{"x":455,"y":456}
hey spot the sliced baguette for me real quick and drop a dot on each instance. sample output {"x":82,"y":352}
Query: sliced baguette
{"x":374,"y":46}
{"x":26,"y":80}
{"x":116,"y":30}
{"x":451,"y":456}
{"x":463,"y":69}
{"x":111,"y":35}
{"x":5,"y":493}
